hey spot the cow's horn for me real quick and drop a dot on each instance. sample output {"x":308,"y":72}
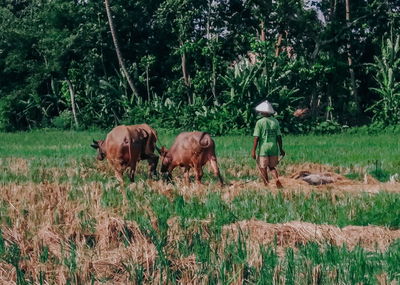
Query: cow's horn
{"x":95,"y":144}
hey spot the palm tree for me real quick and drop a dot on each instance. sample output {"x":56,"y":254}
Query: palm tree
{"x":118,"y":51}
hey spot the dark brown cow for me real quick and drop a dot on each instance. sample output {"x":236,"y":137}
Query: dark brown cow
{"x":190,"y":150}
{"x":124,"y":146}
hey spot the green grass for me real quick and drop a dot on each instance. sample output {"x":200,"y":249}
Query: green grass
{"x":320,"y":208}
{"x":311,"y":264}
{"x":341,"y":149}
{"x":66,"y":157}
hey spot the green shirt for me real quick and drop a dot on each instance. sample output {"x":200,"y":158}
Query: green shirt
{"x":267,"y":130}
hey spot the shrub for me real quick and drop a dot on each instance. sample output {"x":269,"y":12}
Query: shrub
{"x":63,"y":121}
{"x":328,"y":127}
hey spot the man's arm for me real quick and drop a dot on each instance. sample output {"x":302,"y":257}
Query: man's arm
{"x":279,"y":140}
{"x":253,"y":151}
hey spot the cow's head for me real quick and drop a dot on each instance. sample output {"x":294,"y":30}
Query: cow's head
{"x":166,"y":159}
{"x":101,"y":153}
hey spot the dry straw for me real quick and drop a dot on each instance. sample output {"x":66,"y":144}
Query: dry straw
{"x":293,"y":234}
{"x":45,"y":218}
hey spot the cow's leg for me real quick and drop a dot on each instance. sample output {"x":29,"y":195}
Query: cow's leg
{"x":199,"y":173}
{"x":118,"y":175}
{"x":133,"y":160}
{"x":132,"y":171}
{"x":186,"y":175}
{"x":153,"y":161}
{"x":171,"y":167}
{"x":215,"y":169}
{"x":118,"y":170}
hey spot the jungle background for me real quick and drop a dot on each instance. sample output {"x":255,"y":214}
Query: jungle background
{"x":190,"y":64}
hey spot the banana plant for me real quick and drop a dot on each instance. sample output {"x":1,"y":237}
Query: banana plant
{"x":386,"y":68}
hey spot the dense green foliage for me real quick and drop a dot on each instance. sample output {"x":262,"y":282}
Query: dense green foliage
{"x":190,"y":63}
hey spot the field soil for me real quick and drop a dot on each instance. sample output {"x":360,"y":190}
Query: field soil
{"x":290,"y":179}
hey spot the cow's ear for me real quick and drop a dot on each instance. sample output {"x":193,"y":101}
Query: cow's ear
{"x":143,"y":134}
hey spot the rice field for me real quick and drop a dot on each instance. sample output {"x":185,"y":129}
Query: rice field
{"x":64,"y":218}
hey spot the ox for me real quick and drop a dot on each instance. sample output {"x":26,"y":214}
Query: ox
{"x":124,"y":146}
{"x":190,"y":150}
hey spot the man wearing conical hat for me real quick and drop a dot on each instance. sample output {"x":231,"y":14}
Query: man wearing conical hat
{"x":267,"y":143}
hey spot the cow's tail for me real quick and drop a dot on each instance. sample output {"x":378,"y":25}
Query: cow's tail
{"x":205,"y":140}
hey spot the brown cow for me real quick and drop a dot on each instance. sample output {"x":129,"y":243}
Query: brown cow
{"x":190,"y":149}
{"x":124,"y":146}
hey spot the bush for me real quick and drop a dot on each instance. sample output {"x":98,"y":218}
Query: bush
{"x":328,"y":127}
{"x":63,"y":121}
{"x":5,"y":123}
{"x":375,"y":128}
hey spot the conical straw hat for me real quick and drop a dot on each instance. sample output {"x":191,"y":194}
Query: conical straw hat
{"x":265,"y":107}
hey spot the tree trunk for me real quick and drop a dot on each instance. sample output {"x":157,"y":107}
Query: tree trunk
{"x":329,"y":115}
{"x":208,"y":36}
{"x":184,"y":70}
{"x":350,"y":61}
{"x":101,"y":48}
{"x":72,"y":94}
{"x":117,"y":49}
{"x":262,"y":33}
{"x":214,"y":79}
{"x":185,"y":74}
{"x":278,"y":44}
{"x":334,"y":8}
{"x":147,"y":83}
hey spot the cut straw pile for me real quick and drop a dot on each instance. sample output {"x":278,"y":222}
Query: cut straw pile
{"x":293,"y":234}
{"x":50,"y":223}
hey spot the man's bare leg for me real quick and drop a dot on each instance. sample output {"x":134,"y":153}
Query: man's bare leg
{"x":264,"y":175}
{"x":276,"y":175}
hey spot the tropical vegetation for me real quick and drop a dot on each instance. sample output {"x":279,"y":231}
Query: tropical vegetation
{"x":190,"y":64}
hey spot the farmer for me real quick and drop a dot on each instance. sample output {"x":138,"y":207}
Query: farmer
{"x":268,"y":139}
